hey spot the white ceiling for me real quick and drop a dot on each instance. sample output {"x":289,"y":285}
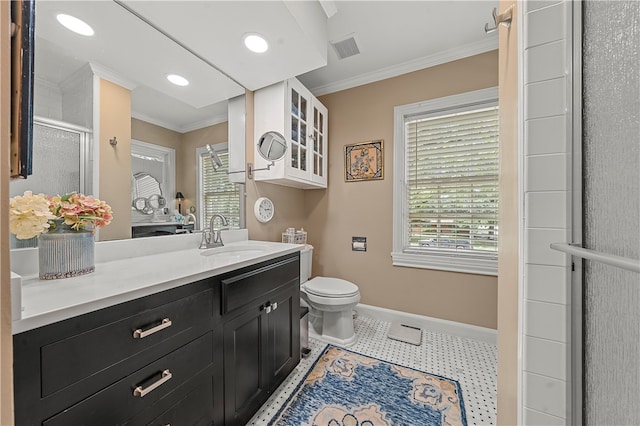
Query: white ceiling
{"x":394,"y":37}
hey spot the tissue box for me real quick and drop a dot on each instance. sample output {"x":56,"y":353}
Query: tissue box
{"x":16,"y":296}
{"x":300,"y":237}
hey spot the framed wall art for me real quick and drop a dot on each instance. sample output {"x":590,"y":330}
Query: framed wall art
{"x":364,"y":161}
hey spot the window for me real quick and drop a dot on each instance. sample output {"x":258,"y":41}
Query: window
{"x":216,"y":194}
{"x":446,"y":184}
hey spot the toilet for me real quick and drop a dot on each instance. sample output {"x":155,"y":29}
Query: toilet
{"x":331,"y":302}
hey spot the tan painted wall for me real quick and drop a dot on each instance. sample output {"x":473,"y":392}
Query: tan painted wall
{"x":508,"y":249}
{"x":6,"y":343}
{"x":186,"y":159}
{"x":344,"y":210}
{"x":115,"y":161}
{"x":151,"y":133}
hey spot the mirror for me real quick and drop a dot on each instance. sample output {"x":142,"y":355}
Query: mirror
{"x":147,"y":194}
{"x":140,"y":204}
{"x":128,"y":51}
{"x":272,"y":146}
{"x":156,"y":202}
{"x":145,"y":186}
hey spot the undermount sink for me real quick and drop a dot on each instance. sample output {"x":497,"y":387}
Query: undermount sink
{"x":236,"y":250}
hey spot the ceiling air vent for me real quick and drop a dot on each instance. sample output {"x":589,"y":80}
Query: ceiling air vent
{"x":345,"y":48}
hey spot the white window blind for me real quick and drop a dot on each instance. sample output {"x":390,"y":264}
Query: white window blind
{"x":452,"y":181}
{"x":219,"y":195}
{"x":446,"y":184}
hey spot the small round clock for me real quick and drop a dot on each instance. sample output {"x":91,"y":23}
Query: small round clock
{"x":264,"y":209}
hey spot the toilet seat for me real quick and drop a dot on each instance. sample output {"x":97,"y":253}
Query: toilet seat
{"x":331,"y":287}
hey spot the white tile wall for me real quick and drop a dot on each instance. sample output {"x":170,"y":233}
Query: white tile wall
{"x":552,"y":56}
{"x":545,"y":99}
{"x":546,"y":135}
{"x":545,"y":394}
{"x":546,"y":357}
{"x":545,"y":25}
{"x":555,"y":213}
{"x":48,"y":100}
{"x":532,"y":417}
{"x":543,"y":283}
{"x":547,"y":197}
{"x":546,"y":321}
{"x":537,"y":247}
{"x":547,"y":172}
{"x":532,"y":5}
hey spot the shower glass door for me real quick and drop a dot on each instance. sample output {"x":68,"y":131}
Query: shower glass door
{"x":60,"y":164}
{"x":611,"y":210}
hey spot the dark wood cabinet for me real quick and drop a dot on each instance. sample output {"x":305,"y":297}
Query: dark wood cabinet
{"x":206,"y":353}
{"x":85,"y":370}
{"x":261,"y":337}
{"x":158,"y":229}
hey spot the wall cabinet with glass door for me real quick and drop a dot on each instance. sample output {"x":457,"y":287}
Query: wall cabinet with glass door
{"x":289,"y":108}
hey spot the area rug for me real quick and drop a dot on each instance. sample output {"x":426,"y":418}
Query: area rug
{"x":345,"y":388}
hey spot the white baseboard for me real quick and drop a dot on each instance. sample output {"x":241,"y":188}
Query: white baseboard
{"x":459,"y":329}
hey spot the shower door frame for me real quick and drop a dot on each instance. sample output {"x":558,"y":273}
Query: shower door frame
{"x":86,"y":148}
{"x":576,"y":354}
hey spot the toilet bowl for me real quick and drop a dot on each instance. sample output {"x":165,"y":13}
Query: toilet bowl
{"x":331,"y":302}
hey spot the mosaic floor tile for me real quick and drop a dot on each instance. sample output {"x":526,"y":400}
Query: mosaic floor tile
{"x":472,"y":363}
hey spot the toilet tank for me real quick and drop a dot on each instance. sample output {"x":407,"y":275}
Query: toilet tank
{"x":305,"y":263}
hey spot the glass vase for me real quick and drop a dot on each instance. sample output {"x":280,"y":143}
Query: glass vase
{"x":64,"y":253}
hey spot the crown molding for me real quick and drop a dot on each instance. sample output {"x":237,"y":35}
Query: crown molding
{"x":216,"y":119}
{"x":108,"y":74}
{"x":221,"y":118}
{"x":460,"y":52}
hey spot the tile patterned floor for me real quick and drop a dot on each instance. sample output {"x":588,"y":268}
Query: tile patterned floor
{"x":472,"y":363}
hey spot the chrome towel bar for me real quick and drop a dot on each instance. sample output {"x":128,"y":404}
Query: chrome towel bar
{"x":609,"y":259}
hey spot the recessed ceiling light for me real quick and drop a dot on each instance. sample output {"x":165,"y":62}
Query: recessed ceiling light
{"x":256,"y":43}
{"x":178,"y":80}
{"x":74,"y":24}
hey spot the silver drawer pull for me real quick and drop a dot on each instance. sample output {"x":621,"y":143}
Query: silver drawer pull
{"x":140,"y":391}
{"x":274,"y":305}
{"x":140,"y":334}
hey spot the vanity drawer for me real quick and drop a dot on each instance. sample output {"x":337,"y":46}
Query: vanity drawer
{"x":193,"y":409}
{"x":144,"y":388}
{"x":249,"y":284}
{"x":157,"y":330}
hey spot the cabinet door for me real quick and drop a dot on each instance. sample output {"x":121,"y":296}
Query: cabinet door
{"x":319,"y":143}
{"x":300,"y":122}
{"x":284,"y":335}
{"x":246,"y":382}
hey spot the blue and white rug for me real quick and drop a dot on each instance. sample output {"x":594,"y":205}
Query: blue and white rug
{"x":345,"y":388}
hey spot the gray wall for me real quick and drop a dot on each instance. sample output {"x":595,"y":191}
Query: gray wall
{"x":611,"y":156}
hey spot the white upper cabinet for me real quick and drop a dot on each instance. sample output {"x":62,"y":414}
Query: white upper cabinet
{"x":291,"y":110}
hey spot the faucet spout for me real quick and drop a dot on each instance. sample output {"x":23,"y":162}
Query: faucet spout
{"x":210,"y":236}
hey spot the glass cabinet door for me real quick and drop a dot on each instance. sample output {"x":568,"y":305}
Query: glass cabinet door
{"x":318,"y":170}
{"x":299,"y":128}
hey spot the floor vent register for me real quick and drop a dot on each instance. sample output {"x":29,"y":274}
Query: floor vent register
{"x":405,"y":333}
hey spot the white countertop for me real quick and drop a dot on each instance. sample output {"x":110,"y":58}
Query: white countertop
{"x":118,"y":279}
{"x":133,"y":225}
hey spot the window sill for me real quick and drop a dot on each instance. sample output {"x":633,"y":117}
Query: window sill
{"x":469,"y":264}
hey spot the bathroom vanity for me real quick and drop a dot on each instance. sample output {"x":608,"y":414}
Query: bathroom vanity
{"x":151,"y":229}
{"x":206,"y":345}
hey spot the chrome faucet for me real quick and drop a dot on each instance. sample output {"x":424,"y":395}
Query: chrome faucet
{"x":190,"y":218}
{"x":210,"y":237}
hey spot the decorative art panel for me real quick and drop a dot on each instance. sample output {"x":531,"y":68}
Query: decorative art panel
{"x":364,"y":161}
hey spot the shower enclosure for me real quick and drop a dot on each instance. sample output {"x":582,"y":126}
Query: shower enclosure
{"x":61,"y":164}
